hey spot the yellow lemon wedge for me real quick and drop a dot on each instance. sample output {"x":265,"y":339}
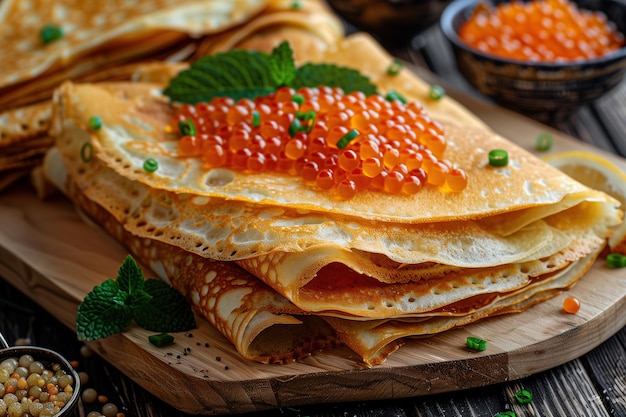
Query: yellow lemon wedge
{"x":600,"y":174}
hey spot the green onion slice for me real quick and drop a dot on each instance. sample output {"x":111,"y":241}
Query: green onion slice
{"x":524,"y":396}
{"x":187,"y":127}
{"x":150,"y":165}
{"x":86,"y":152}
{"x":436,"y":92}
{"x":347,"y":138}
{"x":544,"y":142}
{"x":498,"y":158}
{"x":476,"y":343}
{"x":615,"y":260}
{"x":394,"y":68}
{"x":505,"y":414}
{"x":393,"y":95}
{"x":256,"y":118}
{"x":50,"y":33}
{"x":308,"y":118}
{"x":295,"y":127}
{"x":161,"y":339}
{"x":95,"y":122}
{"x":298,"y":98}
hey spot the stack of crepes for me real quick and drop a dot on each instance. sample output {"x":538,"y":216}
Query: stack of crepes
{"x":282,"y":269}
{"x":112,"y":40}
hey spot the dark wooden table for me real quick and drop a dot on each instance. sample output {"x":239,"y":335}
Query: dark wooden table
{"x":593,"y":385}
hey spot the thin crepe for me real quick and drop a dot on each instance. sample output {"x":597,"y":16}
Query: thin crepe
{"x":431,"y":261}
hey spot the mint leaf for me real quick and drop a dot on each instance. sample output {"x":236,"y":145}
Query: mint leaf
{"x":129,"y":276}
{"x":168,"y":311}
{"x":99,"y":315}
{"x":249,"y":74}
{"x":282,"y":65}
{"x":111,"y":306}
{"x":331,"y":75}
{"x":237,"y":74}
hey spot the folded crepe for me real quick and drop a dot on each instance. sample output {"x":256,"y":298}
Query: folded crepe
{"x":404,"y":266}
{"x":111,"y":41}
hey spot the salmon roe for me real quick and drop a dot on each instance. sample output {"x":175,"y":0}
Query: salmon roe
{"x":343,"y":143}
{"x":571,"y":305}
{"x":541,"y":31}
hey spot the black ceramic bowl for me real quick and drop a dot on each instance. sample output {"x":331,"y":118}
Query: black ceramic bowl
{"x":538,"y":89}
{"x":390,"y":20}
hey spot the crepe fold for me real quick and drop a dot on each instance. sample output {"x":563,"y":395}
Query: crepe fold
{"x":406,"y":266}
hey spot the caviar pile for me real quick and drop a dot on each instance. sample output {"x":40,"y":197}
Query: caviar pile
{"x":343,"y":143}
{"x":28,"y":388}
{"x":541,"y":31}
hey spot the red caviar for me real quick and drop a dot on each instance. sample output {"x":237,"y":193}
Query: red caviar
{"x":541,"y":31}
{"x":338,"y":142}
{"x":571,"y":305}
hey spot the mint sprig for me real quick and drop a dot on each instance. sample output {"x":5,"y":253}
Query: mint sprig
{"x":110,"y":307}
{"x":249,"y":74}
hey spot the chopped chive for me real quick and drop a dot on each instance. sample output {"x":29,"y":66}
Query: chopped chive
{"x":524,"y":396}
{"x":86,"y":152}
{"x":50,"y":33}
{"x":394,"y":68}
{"x":347,"y":138}
{"x":308,"y":118}
{"x":296,"y":5}
{"x":161,"y":339}
{"x":508,"y":413}
{"x":256,"y":118}
{"x":95,"y":122}
{"x":544,"y":142}
{"x":476,"y":343}
{"x":295,"y":127}
{"x":298,"y":98}
{"x":436,"y":92}
{"x":393,"y":95}
{"x":150,"y":165}
{"x":187,"y":127}
{"x":615,"y":260}
{"x":498,"y":158}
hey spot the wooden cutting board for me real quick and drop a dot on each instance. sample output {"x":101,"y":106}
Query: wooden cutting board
{"x":50,"y":253}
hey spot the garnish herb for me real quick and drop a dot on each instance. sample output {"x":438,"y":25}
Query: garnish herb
{"x":187,"y":127}
{"x":615,"y":260}
{"x":436,"y":92}
{"x":505,"y":414}
{"x":50,"y":33}
{"x":86,"y":152}
{"x":161,"y":339}
{"x":524,"y":396}
{"x":256,"y":118}
{"x":95,"y":122}
{"x":111,"y":306}
{"x":295,"y":127}
{"x":544,"y":142}
{"x":150,"y":165}
{"x":394,"y":68}
{"x":249,"y":74}
{"x":347,"y":138}
{"x":394,"y":95}
{"x":498,"y":158}
{"x":298,"y":98}
{"x":476,"y":343}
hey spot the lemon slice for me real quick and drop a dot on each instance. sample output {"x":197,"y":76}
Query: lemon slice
{"x":600,"y":174}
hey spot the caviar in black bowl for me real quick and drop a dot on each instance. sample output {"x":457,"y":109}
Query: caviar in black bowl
{"x":539,"y":89}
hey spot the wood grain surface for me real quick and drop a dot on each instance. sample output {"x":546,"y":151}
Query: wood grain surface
{"x":50,"y":253}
